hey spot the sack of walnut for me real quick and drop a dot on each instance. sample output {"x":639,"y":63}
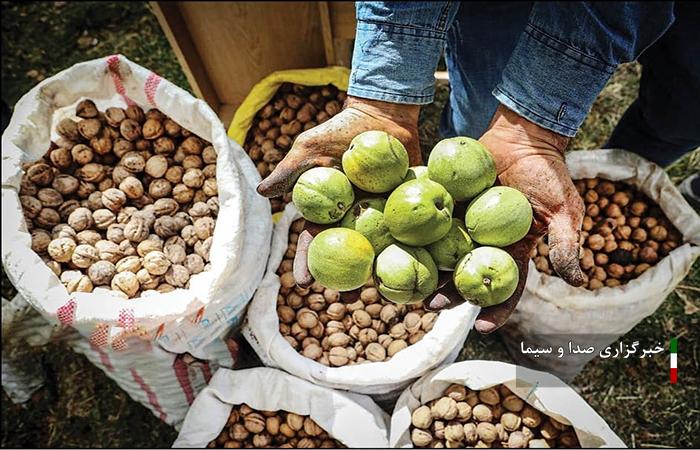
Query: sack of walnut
{"x":184,"y":314}
{"x":551,"y":313}
{"x":378,"y":358}
{"x":244,"y":406}
{"x":279,"y":108}
{"x":516,"y":399}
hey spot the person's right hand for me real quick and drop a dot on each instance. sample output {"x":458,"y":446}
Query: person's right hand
{"x":325,"y":144}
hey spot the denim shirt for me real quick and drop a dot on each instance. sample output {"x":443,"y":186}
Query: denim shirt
{"x":563,"y":59}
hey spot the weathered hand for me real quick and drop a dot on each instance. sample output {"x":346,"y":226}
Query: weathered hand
{"x":531,"y":159}
{"x":325,"y":144}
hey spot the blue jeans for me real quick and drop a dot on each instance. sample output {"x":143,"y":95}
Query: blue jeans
{"x":547,"y":61}
{"x":661,"y":125}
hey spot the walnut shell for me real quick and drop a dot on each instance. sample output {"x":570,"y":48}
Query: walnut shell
{"x":135,"y":113}
{"x":84,"y":256}
{"x":49,"y":197}
{"x":194,"y":263}
{"x":163,"y":146}
{"x":129,"y":264}
{"x":204,"y":227}
{"x":30,"y":205}
{"x":160,"y":188}
{"x":94,"y":201}
{"x":61,"y":249}
{"x":202,"y":248}
{"x":209,"y":155}
{"x":199,"y":209}
{"x":80,"y":219}
{"x":124,"y":215}
{"x":156,"y":263}
{"x":189,"y":235}
{"x":102,"y":143}
{"x":65,"y":184}
{"x":67,"y":208}
{"x":101,"y":273}
{"x":133,"y":161}
{"x":165,"y":227}
{"x":68,"y":129}
{"x":88,"y":237}
{"x":156,"y":166}
{"x":182,"y":194}
{"x":27,"y":187}
{"x":127,"y":248}
{"x":85,"y":188}
{"x":40,"y":240}
{"x":130,"y":129}
{"x":192,"y":145}
{"x":182,"y":219}
{"x":147,"y":280}
{"x":171,"y":127}
{"x":177,"y":275}
{"x":209,"y":171}
{"x":89,"y":128}
{"x":192,"y":161}
{"x":165,"y":207}
{"x":61,"y":158}
{"x":86,"y":109}
{"x":193,"y":178}
{"x":103,"y":218}
{"x":40,"y":173}
{"x":78,"y":283}
{"x":153,"y":129}
{"x":136,"y":230}
{"x":109,"y":251}
{"x":47,"y":218}
{"x":132,"y":187}
{"x":126,"y":282}
{"x":113,"y":199}
{"x":114,"y":116}
{"x":121,"y":147}
{"x":149,"y":245}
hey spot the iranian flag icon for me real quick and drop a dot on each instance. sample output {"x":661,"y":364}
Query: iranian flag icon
{"x":674,"y":360}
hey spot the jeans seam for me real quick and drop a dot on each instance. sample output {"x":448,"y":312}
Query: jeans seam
{"x":550,"y":121}
{"x":394,"y":28}
{"x":375,"y":91}
{"x":532,"y":31}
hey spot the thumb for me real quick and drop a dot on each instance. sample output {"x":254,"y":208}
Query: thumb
{"x":282,"y":179}
{"x":564,"y":248}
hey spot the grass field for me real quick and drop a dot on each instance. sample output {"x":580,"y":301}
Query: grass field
{"x":80,"y":407}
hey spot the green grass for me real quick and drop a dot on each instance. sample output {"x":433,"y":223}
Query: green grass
{"x":81,"y":407}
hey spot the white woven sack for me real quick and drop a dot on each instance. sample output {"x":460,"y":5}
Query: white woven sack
{"x":553,"y":310}
{"x":382,"y":380}
{"x":185,"y":319}
{"x":136,"y":342}
{"x":352,"y":419}
{"x":541,"y":390}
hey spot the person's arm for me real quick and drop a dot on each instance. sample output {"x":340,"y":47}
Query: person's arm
{"x":397,"y":49}
{"x":567,"y":53}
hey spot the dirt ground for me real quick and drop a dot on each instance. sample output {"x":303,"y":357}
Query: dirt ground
{"x":81,"y":407}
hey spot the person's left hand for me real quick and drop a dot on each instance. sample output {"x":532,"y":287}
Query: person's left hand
{"x":531,"y":159}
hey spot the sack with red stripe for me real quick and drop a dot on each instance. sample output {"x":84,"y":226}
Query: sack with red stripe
{"x":136,"y":332}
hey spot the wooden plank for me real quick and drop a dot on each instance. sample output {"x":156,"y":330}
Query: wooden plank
{"x":327,"y":32}
{"x":176,"y":31}
{"x":239,"y":43}
{"x":342,"y":19}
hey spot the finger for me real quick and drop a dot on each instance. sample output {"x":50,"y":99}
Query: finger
{"x":563,"y":243}
{"x":446,"y":296}
{"x":492,"y":318}
{"x":282,"y":179}
{"x":300,"y":269}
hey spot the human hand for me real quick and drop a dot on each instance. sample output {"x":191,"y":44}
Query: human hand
{"x":530,"y":159}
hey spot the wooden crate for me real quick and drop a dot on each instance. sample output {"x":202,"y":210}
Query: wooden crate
{"x":225,"y":48}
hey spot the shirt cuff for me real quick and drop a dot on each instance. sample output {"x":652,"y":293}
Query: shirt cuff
{"x":550,"y":82}
{"x":395,"y":63}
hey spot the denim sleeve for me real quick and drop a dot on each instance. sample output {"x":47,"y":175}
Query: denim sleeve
{"x":567,"y":53}
{"x":397,"y":48}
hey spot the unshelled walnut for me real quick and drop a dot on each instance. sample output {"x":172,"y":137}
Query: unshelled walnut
{"x":40,"y":240}
{"x":193,"y":178}
{"x":130,"y":129}
{"x":65,"y":184}
{"x":61,"y":249}
{"x":202,"y":248}
{"x":156,"y":263}
{"x":153,"y":129}
{"x":156,"y":166}
{"x":132,"y":187}
{"x":84,"y":256}
{"x":133,"y":161}
{"x":182,"y":193}
{"x":136,"y":230}
{"x":129,"y":264}
{"x":204,"y":227}
{"x":177,"y":275}
{"x":108,"y":250}
{"x":40,"y":174}
{"x":101,"y":273}
{"x":75,"y":281}
{"x":89,"y":128}
{"x":126,"y":282}
{"x":61,"y":158}
{"x":103,"y":218}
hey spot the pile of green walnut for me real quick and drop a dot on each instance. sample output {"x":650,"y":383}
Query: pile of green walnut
{"x":249,"y":428}
{"x":623,"y":234}
{"x":292,"y":110}
{"x":488,"y":418}
{"x":337,"y":329}
{"x":405,"y":219}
